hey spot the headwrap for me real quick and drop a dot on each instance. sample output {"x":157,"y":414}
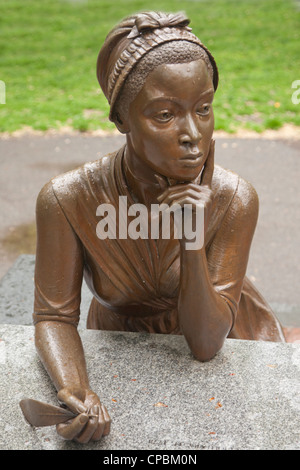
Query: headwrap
{"x":129,"y":41}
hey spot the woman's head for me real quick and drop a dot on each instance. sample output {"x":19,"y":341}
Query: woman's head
{"x":138,"y":45}
{"x":170,"y":122}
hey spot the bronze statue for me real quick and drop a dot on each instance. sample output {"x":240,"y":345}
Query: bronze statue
{"x":160,"y":82}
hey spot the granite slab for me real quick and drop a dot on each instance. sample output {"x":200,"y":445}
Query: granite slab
{"x":159,"y":396}
{"x":17,"y":294}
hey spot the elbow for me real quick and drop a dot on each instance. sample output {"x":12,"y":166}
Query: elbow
{"x":204,"y":356}
{"x":205,"y":353}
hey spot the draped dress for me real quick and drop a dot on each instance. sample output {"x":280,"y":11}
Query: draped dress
{"x":135,"y":282}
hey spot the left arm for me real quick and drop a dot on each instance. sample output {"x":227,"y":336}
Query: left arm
{"x":210,"y":286}
{"x":205,"y":318}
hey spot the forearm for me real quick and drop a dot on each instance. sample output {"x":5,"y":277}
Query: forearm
{"x":204,"y":316}
{"x":60,"y":349}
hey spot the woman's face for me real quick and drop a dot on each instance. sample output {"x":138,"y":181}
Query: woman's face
{"x":171,"y":120}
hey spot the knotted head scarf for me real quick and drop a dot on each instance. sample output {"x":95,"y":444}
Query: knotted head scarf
{"x":135,"y":37}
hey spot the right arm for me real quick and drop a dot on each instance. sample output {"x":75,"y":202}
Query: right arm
{"x":58,"y":279}
{"x":60,"y":349}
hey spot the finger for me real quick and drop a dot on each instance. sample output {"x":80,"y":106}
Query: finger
{"x":74,"y":403}
{"x":107,"y":420}
{"x":186,"y":203}
{"x":71,"y":429}
{"x":208,"y":170}
{"x":195,"y":194}
{"x":181,"y":189}
{"x":99,"y":432}
{"x":163,"y":183}
{"x":91,"y":426}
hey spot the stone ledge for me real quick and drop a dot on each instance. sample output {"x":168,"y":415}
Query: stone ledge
{"x":159,"y":396}
{"x":17,"y":294}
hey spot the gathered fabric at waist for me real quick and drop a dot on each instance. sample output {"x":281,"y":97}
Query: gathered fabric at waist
{"x":255,"y":320}
{"x":141,"y":318}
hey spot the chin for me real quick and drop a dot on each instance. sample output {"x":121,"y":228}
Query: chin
{"x":187,"y":175}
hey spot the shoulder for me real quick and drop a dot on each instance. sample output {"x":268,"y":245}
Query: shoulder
{"x":81,"y":178}
{"x":46,"y":198}
{"x":242,"y":203}
{"x":224,"y":183}
{"x":77,"y":183}
{"x":246,"y":198}
{"x":231,"y":187}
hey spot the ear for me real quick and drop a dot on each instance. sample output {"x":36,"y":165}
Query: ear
{"x":120,"y":124}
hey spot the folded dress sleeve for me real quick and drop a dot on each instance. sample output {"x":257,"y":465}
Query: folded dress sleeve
{"x":229,"y":250}
{"x":59,"y":263}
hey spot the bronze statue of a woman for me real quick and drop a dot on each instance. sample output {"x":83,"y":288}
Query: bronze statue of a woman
{"x":160,"y":82}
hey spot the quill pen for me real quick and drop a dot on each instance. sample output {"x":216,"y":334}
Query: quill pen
{"x":39,"y":414}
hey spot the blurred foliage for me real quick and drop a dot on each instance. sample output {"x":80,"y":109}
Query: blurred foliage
{"x":48,"y":52}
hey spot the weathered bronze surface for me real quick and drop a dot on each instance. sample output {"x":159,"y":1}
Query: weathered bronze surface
{"x":160,"y":82}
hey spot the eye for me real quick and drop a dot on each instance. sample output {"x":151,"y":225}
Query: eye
{"x":163,"y":116}
{"x":204,"y":110}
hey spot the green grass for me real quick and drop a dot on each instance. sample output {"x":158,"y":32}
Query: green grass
{"x":48,"y":51}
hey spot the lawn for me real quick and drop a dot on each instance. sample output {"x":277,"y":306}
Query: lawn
{"x":48,"y":51}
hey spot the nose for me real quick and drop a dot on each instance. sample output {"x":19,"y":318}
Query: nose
{"x":190,"y":133}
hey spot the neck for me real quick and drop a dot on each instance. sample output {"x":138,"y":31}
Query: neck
{"x":144,"y":184}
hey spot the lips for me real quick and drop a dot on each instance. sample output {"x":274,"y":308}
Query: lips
{"x":192,"y":159}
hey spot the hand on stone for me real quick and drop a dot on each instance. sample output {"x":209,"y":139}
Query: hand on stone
{"x":92,"y":420}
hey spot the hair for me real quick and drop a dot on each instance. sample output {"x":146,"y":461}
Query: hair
{"x":177,"y":52}
{"x":136,"y":46}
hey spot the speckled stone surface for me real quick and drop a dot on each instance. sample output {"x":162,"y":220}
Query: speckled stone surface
{"x":159,"y":396}
{"x":17,"y":294}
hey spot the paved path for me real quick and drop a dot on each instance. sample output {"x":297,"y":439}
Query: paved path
{"x":272,"y":166}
